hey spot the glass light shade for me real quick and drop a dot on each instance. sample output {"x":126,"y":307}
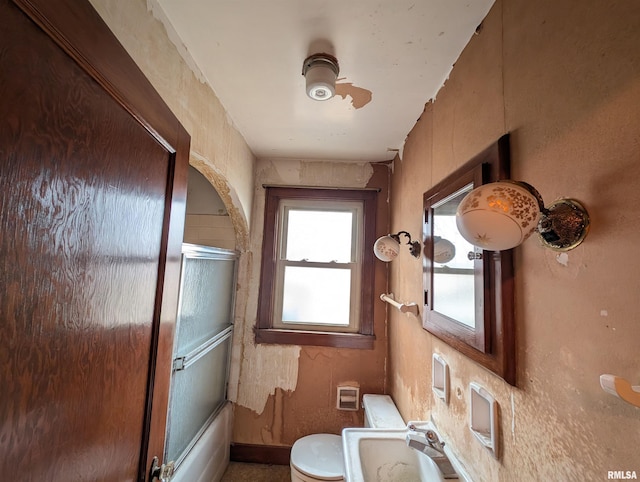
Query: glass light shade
{"x":498,"y":216}
{"x":320,"y":82}
{"x":443,"y":250}
{"x":386,"y":248}
{"x":320,"y":71}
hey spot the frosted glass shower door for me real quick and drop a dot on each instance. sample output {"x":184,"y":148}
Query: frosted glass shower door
{"x":202,"y":346}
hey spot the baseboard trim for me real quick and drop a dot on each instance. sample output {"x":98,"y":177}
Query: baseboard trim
{"x":260,"y":454}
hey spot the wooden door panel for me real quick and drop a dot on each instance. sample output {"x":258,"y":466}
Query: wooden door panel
{"x":84,"y":225}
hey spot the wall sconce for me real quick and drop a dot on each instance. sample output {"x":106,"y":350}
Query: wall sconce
{"x":387,"y":247}
{"x":320,"y":72}
{"x":443,"y":250}
{"x":502,"y":215}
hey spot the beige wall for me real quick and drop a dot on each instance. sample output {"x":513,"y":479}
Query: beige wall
{"x":286,"y":392}
{"x":266,"y":382}
{"x":207,"y":222}
{"x":218,"y":150}
{"x":564,"y":79}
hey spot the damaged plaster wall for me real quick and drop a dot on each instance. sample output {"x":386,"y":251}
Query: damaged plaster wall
{"x":285,"y":392}
{"x":264,"y":368}
{"x":564,"y":80}
{"x":265,"y":381}
{"x":218,"y":150}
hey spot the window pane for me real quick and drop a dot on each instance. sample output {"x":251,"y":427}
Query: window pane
{"x":316,"y":296}
{"x":321,"y":236}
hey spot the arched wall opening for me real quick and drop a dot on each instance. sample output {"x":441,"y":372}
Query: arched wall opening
{"x":207,"y":220}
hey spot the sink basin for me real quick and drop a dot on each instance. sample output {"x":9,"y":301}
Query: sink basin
{"x":382,"y":455}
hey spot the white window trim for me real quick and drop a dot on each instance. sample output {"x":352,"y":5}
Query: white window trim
{"x":355,"y":266}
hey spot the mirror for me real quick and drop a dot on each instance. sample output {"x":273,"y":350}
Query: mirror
{"x":453,"y":269}
{"x":468,"y":293}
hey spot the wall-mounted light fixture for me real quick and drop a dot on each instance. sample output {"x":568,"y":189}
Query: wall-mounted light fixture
{"x":502,"y":215}
{"x":320,"y":72}
{"x":386,"y":248}
{"x":443,"y":250}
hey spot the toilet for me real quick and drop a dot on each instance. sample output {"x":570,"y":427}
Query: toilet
{"x":319,"y":456}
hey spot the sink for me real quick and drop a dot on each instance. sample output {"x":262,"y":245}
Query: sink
{"x":382,"y":455}
{"x":388,"y":458}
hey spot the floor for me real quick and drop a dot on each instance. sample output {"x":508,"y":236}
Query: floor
{"x":240,"y":472}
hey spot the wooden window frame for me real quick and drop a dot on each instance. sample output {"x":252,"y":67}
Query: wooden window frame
{"x":264,"y":330}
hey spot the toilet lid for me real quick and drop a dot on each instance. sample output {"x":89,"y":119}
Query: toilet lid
{"x":319,"y":455}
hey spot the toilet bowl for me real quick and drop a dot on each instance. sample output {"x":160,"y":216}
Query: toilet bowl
{"x":319,"y":457}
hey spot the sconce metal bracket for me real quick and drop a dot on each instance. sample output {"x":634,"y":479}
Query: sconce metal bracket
{"x":414,"y":246}
{"x":563,"y":225}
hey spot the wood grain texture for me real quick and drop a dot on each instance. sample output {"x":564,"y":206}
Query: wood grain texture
{"x":261,"y":454}
{"x":86,"y":235}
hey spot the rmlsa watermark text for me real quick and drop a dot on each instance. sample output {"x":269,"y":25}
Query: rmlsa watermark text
{"x":622,"y":475}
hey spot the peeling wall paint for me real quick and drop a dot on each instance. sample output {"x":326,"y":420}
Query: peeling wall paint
{"x":158,"y":13}
{"x":264,"y":380}
{"x":218,"y":150}
{"x":265,"y":368}
{"x":565,"y":82}
{"x":228,"y":195}
{"x":563,"y":259}
{"x":285,"y":392}
{"x":317,"y":173}
{"x":568,"y":98}
{"x":215,"y":142}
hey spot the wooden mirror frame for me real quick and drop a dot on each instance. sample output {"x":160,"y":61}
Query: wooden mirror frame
{"x":492,"y":343}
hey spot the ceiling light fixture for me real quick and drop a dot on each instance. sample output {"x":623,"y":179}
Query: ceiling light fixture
{"x":320,"y":72}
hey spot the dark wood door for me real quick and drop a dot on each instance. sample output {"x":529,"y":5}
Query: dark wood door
{"x":93,"y":178}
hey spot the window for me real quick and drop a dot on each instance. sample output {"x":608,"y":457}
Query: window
{"x":316,"y":285}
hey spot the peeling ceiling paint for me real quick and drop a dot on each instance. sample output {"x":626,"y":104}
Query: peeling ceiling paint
{"x":359,"y":96}
{"x":396,"y":55}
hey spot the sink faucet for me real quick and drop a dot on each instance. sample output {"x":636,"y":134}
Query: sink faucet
{"x":427,"y":442}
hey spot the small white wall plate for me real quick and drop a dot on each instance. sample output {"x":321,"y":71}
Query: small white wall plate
{"x":484,"y":417}
{"x":440,"y":378}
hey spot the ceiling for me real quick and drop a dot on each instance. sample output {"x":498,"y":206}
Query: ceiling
{"x":394,"y":56}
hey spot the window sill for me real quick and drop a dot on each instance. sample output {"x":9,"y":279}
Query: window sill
{"x":297,"y":337}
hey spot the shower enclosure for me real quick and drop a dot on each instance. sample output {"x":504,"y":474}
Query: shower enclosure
{"x":202,"y":346}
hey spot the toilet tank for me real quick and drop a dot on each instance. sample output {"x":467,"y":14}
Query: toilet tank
{"x":381,"y":412}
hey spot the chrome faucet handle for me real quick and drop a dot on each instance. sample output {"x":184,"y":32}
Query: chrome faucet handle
{"x":413,"y":428}
{"x":432,"y":447}
{"x":432,"y":437}
{"x":429,"y":434}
